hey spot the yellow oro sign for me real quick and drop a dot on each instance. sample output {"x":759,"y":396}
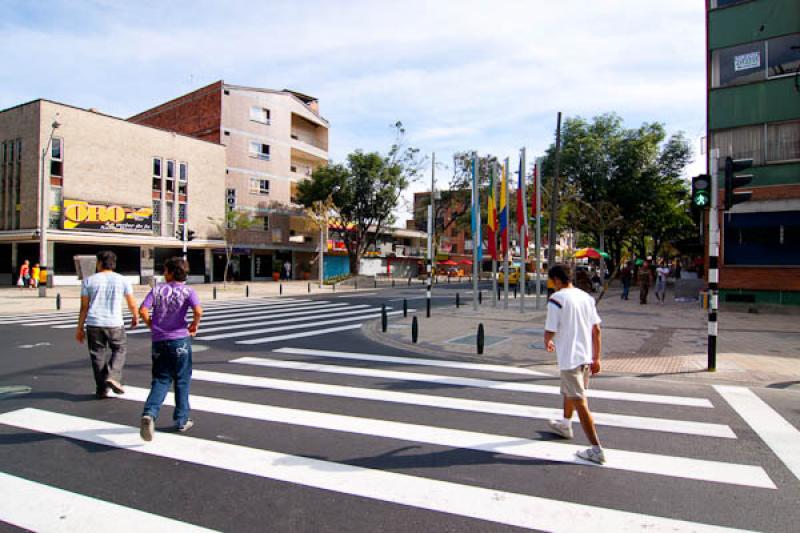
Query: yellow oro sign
{"x":82,"y":215}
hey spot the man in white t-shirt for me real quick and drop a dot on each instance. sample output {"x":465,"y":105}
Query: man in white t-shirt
{"x":572,"y":330}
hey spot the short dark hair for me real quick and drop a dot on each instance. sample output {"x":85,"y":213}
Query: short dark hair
{"x":561,"y":272}
{"x":178,"y":267}
{"x":107,"y":259}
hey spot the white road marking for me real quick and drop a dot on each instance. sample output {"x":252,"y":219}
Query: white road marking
{"x":312,"y":333}
{"x":291,"y":317}
{"x":412,"y":361}
{"x":476,"y":406}
{"x":781,"y":436}
{"x":248,"y":316}
{"x":443,"y":496}
{"x":646,"y":463}
{"x":38,"y":507}
{"x":215,"y":314}
{"x":293,"y":326}
{"x":357,"y":295}
{"x":471,"y":382}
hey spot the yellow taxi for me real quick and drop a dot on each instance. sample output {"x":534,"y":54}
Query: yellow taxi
{"x":513,"y":276}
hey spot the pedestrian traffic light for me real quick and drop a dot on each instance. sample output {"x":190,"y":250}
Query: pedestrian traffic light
{"x":189,"y":235}
{"x":701,"y":191}
{"x":733,"y":181}
{"x":179,"y":234}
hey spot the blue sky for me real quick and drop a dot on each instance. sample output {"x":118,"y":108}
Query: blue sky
{"x":485,"y":75}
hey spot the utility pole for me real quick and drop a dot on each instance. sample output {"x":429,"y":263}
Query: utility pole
{"x":523,"y":232}
{"x":713,"y":260}
{"x":506,"y":238}
{"x":551,"y":233}
{"x":476,"y":233}
{"x":431,"y":229}
{"x":44,"y":212}
{"x":537,"y":180}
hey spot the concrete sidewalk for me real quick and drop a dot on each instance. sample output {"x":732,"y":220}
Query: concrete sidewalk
{"x":16,"y":301}
{"x":651,"y":340}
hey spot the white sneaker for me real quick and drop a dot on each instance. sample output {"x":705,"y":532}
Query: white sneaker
{"x":590,"y":454}
{"x":565,"y":430}
{"x":146,"y":428}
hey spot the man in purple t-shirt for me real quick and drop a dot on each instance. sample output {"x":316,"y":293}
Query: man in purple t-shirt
{"x":164,"y":311}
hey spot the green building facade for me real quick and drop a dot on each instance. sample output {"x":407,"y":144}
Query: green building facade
{"x":753,"y":60}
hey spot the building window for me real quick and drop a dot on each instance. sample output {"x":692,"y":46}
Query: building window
{"x":726,"y":3}
{"x":157,"y":217}
{"x":56,"y":158}
{"x":259,"y":114}
{"x":259,"y":150}
{"x":169,"y":218}
{"x":740,"y":143}
{"x":182,"y":214}
{"x":767,"y":238}
{"x":183,"y":178}
{"x":170,"y":178}
{"x":56,"y":198}
{"x":738,"y":64}
{"x":259,"y":186}
{"x":157,"y":167}
{"x":266,"y":223}
{"x":783,"y":141}
{"x":784,"y":55}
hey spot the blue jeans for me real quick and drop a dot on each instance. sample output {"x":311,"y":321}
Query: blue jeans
{"x":172,"y":361}
{"x":626,"y":287}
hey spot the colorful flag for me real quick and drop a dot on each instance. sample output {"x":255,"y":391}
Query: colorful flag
{"x":522,"y":223}
{"x":477,"y":242}
{"x":504,"y":211}
{"x":492,"y":215}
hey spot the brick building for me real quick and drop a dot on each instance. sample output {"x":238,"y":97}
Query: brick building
{"x":273,"y":140}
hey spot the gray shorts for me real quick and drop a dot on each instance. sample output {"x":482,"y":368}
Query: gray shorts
{"x":575,"y":381}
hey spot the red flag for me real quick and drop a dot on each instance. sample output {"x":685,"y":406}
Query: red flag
{"x":522,"y":224}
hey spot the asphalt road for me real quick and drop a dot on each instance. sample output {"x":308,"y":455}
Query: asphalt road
{"x":302,"y":426}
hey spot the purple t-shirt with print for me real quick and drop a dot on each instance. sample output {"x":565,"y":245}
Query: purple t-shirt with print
{"x":168,"y":304}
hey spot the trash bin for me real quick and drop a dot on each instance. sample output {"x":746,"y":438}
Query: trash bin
{"x":703,"y":299}
{"x":85,"y":265}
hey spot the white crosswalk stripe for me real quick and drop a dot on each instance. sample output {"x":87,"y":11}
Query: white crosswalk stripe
{"x":246,"y":321}
{"x":444,"y":496}
{"x":370,"y":411}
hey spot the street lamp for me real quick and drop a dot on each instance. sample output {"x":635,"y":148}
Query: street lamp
{"x":43,"y":214}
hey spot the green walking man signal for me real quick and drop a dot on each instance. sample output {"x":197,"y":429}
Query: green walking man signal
{"x":701,"y":191}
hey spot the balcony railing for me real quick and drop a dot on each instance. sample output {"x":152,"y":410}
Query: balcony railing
{"x":308,"y":139}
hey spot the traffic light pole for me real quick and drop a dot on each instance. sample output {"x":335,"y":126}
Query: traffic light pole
{"x":713,"y":261}
{"x":185,"y":237}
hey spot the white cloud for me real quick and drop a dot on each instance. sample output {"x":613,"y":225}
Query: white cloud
{"x":474,"y":74}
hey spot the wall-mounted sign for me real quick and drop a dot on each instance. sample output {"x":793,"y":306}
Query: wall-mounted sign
{"x":747,"y":61}
{"x":81,"y":215}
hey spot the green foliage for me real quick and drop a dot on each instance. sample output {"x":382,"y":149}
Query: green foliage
{"x":363,"y":192}
{"x":623,"y":183}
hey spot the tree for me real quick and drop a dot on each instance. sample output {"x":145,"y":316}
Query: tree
{"x":629,"y":175}
{"x":230,"y":229}
{"x":365,"y":191}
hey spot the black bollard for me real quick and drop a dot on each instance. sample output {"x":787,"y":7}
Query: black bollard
{"x":480,"y":297}
{"x":515,"y":291}
{"x":215,"y":292}
{"x":480,"y":339}
{"x":414,"y":330}
{"x":409,"y":281}
{"x":405,"y":307}
{"x":428,"y":307}
{"x":384,"y":318}
{"x":393,"y":283}
{"x":309,"y":287}
{"x":375,"y":281}
{"x":58,"y":301}
{"x":458,"y":301}
{"x":247,"y":291}
{"x":280,"y":288}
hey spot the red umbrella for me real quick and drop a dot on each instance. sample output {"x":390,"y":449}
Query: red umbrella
{"x":449,"y":263}
{"x":465,"y":262}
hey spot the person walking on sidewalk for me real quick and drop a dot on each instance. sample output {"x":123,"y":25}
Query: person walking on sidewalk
{"x":36,"y":271}
{"x":101,"y":315}
{"x":661,"y":281}
{"x":572,"y":331}
{"x":24,"y":279}
{"x":626,"y":276}
{"x":645,"y":280}
{"x":164,"y":311}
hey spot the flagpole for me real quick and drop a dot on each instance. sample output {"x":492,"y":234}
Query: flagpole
{"x":523,"y":232}
{"x":493,"y":173}
{"x":476,"y":233}
{"x":505,"y":237}
{"x":431,"y":230}
{"x":537,"y":179}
